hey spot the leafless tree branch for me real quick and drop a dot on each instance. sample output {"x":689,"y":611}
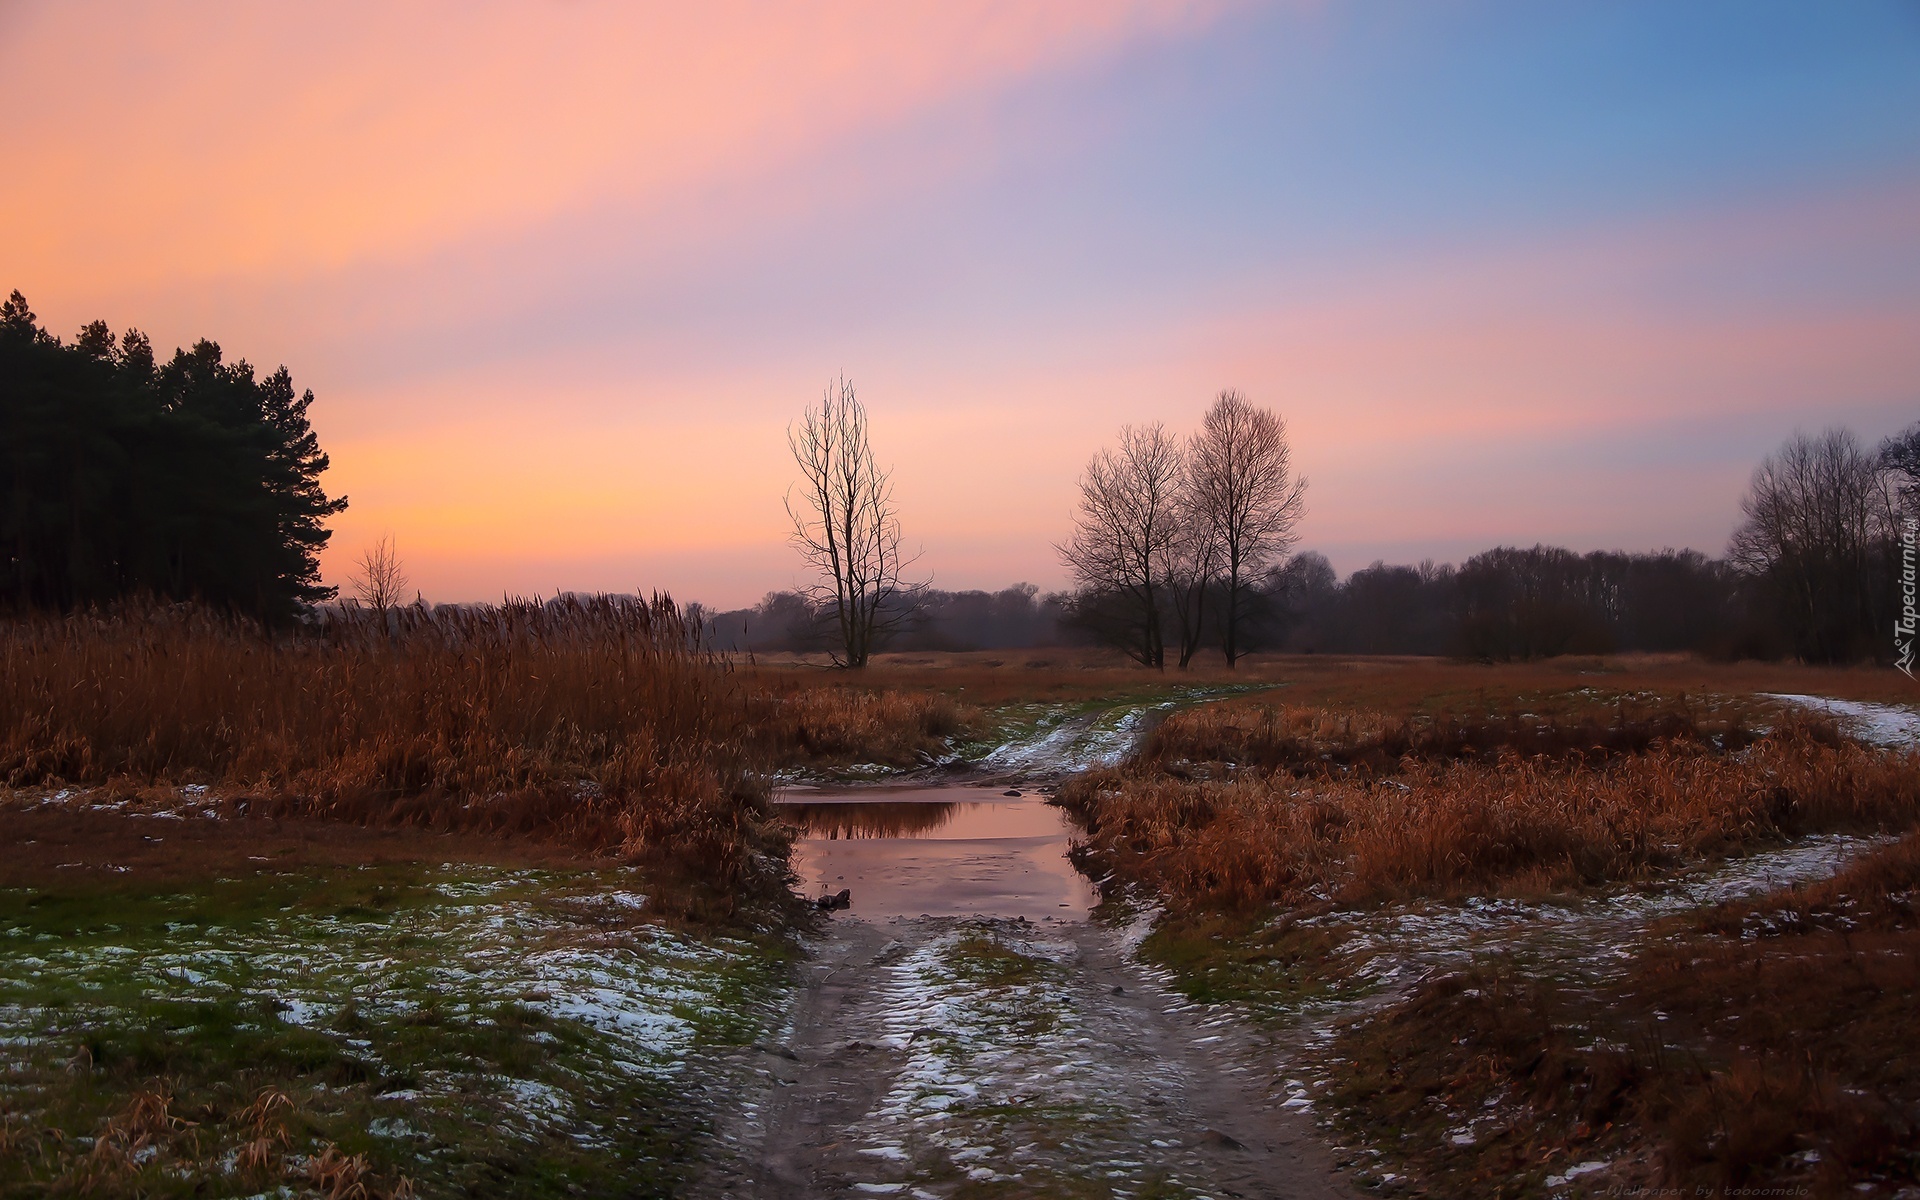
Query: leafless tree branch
{"x":845,"y":525}
{"x":380,"y":582}
{"x":1128,"y":532}
{"x":1241,"y":483}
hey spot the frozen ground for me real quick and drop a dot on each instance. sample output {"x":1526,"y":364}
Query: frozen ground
{"x":939,"y":1057}
{"x":1879,"y":724}
{"x":1063,"y":744}
{"x":930,"y":1057}
{"x":1056,"y":741}
{"x":468,"y":958}
{"x":1582,"y":940}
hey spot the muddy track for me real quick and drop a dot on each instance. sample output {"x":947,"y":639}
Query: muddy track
{"x":984,"y":1057}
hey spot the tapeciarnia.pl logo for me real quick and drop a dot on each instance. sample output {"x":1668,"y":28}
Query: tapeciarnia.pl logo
{"x":1904,"y":625}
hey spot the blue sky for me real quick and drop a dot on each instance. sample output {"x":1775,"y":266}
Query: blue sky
{"x":1512,"y":272}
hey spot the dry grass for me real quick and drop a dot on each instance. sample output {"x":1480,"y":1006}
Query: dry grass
{"x":1743,"y":1048}
{"x":814,"y":721}
{"x":1310,"y":740}
{"x":1574,"y":693}
{"x":1750,"y":1047}
{"x":1877,"y":893}
{"x":1567,"y":688}
{"x":986,"y":678}
{"x":1397,"y":684}
{"x":147,"y":1146}
{"x":592,"y":722}
{"x":1453,"y":827}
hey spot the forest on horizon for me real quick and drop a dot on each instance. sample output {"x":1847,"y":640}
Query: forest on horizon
{"x":195,"y":479}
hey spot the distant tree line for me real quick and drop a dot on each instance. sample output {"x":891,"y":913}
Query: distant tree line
{"x":930,"y":619}
{"x":1812,"y":572}
{"x":120,"y":475}
{"x":1511,"y":603}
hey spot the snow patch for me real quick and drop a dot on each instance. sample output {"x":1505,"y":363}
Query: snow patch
{"x":1885,"y":725}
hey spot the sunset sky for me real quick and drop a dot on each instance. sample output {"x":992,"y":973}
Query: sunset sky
{"x":561,"y":273}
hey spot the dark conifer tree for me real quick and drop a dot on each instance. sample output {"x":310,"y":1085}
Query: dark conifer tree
{"x":120,"y":476}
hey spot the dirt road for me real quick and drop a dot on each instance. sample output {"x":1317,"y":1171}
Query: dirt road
{"x":941,"y":1057}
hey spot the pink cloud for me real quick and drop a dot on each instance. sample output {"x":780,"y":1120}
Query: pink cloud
{"x":174,"y":143}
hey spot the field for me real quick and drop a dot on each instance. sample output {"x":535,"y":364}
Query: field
{"x":1583,"y":940}
{"x":495,"y":904}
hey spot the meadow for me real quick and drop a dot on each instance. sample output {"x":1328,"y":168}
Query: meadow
{"x":295,"y":908}
{"x":1585,"y":938}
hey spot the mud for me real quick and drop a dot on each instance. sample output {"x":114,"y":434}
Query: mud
{"x":967,"y":1031}
{"x":937,"y":1057}
{"x":70,"y":845}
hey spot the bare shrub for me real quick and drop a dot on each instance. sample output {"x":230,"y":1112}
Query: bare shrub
{"x":380,"y":582}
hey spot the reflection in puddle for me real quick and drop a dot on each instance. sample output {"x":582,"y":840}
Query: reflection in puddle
{"x":942,"y":851}
{"x":835,"y":821}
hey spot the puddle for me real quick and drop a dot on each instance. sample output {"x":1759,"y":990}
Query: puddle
{"x":937,"y":851}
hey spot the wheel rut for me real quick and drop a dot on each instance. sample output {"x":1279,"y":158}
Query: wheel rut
{"x":944,"y":1057}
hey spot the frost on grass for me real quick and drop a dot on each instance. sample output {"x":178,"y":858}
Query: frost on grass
{"x":1054,"y":740}
{"x":1061,"y":746}
{"x":468,"y":1002}
{"x":1009,"y":1076}
{"x":1585,"y":940}
{"x":494,"y":941}
{"x":1876,"y":724}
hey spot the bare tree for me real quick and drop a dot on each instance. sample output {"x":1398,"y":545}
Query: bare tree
{"x":845,"y":526}
{"x":379,"y":582}
{"x":1125,"y":536}
{"x":1819,"y":521}
{"x":1192,"y":569}
{"x":1900,"y":458}
{"x":1240,"y":475}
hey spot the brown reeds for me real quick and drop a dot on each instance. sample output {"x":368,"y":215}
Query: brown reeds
{"x":1305,"y":739}
{"x":1452,"y":827}
{"x":820,"y":721}
{"x":597,"y":721}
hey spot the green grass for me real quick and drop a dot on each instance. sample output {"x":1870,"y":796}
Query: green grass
{"x":1271,"y":970}
{"x":468,"y":1030}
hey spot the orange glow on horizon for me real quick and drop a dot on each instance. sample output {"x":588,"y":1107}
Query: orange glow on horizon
{"x":560,"y":277}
